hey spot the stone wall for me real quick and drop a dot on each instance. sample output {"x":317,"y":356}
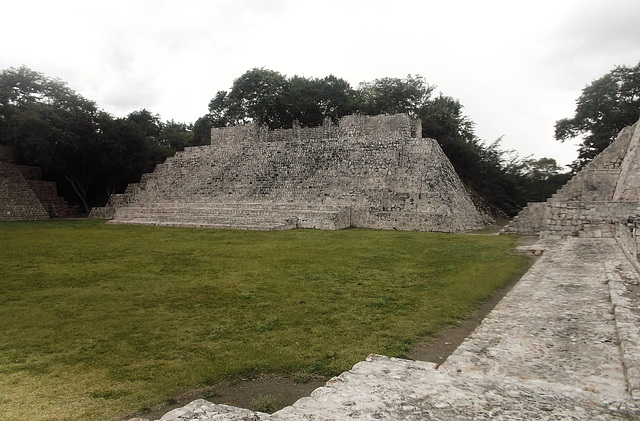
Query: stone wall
{"x":375,"y":172}
{"x":605,"y":193}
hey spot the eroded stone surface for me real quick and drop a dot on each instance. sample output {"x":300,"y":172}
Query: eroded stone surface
{"x":563,"y":344}
{"x":553,"y":322}
{"x":366,"y":171}
{"x":202,"y":410}
{"x":602,"y":195}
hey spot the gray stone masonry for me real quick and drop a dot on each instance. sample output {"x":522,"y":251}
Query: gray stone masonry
{"x":17,"y":199}
{"x":369,"y":172}
{"x":605,"y":193}
{"x":563,"y":344}
{"x":24,"y":195}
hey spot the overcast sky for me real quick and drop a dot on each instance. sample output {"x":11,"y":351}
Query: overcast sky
{"x":515,"y":66}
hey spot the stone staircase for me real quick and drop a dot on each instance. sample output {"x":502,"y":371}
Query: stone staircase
{"x":56,"y":206}
{"x":20,"y":184}
{"x":17,"y":200}
{"x":602,"y":194}
{"x":248,"y":216}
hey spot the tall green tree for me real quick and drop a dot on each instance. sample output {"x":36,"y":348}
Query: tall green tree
{"x":394,"y":95}
{"x":310,"y":101}
{"x":88,"y":152}
{"x":176,"y":136}
{"x":49,"y":125}
{"x":220,"y":113}
{"x":543,"y":178}
{"x":605,"y":107}
{"x":202,"y":130}
{"x":258,"y":96}
{"x":149,"y":123}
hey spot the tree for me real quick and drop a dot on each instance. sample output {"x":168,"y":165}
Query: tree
{"x":310,"y":101}
{"x":202,"y":130}
{"x":149,"y":123}
{"x":605,"y":107}
{"x":176,"y":135}
{"x":264,"y":96}
{"x":500,"y":177}
{"x":86,"y":151}
{"x":125,"y":155}
{"x":219,"y":110}
{"x":394,"y":95}
{"x":543,"y":178}
{"x":258,"y":96}
{"x":49,"y":125}
{"x":442,"y":119}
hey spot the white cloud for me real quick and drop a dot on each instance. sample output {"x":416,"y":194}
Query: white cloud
{"x":516,"y":67}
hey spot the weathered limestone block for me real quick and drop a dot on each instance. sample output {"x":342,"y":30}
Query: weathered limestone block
{"x":201,"y":410}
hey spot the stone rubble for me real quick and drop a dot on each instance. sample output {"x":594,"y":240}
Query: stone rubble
{"x":563,"y":344}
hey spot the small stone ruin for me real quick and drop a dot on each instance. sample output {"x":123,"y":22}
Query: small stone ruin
{"x":24,"y":195}
{"x":369,"y":172}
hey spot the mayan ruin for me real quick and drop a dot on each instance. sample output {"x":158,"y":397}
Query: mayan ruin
{"x":366,"y":172}
{"x":601,"y":201}
{"x":24,"y":195}
{"x":564,"y":343}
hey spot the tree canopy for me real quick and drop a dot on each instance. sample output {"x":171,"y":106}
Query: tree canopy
{"x":88,"y":152}
{"x":394,"y":95}
{"x":266,"y":97}
{"x":605,"y":106}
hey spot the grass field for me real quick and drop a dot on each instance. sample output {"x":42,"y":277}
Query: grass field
{"x":99,"y":321}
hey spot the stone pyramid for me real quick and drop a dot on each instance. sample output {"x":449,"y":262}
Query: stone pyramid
{"x":369,"y":172}
{"x":603,"y":195}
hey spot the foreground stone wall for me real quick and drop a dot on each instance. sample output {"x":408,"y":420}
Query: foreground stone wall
{"x":373,"y":172}
{"x":605,"y":193}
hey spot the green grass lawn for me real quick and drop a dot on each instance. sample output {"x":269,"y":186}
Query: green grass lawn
{"x":98,"y":321}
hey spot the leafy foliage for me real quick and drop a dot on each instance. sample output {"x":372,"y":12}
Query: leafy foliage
{"x":394,"y":95}
{"x":606,"y":106}
{"x":88,"y":152}
{"x":268,"y":98}
{"x":49,"y":125}
{"x":311,"y":101}
{"x":259,"y":96}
